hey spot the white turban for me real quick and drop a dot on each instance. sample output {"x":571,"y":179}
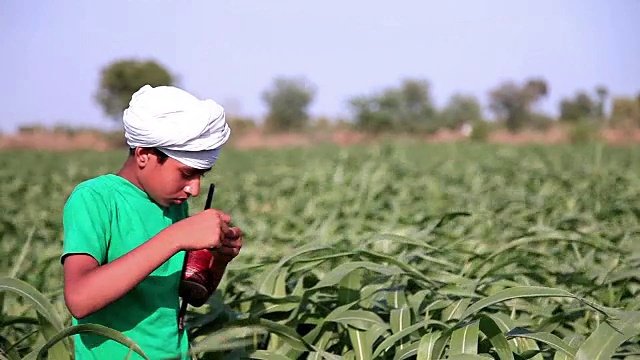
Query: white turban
{"x":182,"y":126}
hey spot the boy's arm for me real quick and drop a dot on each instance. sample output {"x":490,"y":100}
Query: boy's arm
{"x":89,"y":287}
{"x":89,"y":282}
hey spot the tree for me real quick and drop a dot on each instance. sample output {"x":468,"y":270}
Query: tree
{"x":121,"y":78}
{"x":513,"y":104}
{"x":415,"y":105}
{"x":584,"y":107}
{"x":288,"y":101}
{"x":408,"y":107}
{"x":535,"y":89}
{"x":580,"y":107}
{"x":370,"y":114}
{"x":625,"y":112}
{"x":461,"y":109}
{"x":509,"y":105}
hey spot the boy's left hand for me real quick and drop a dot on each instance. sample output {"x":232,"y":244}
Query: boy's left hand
{"x":230,"y":247}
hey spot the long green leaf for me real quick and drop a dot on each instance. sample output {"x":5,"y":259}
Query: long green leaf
{"x":267,"y":355}
{"x":407,"y":352}
{"x":392,"y":339}
{"x":525,"y":292}
{"x":361,"y":347}
{"x":464,"y":340}
{"x":469,"y":357}
{"x":336,"y":275}
{"x":267,"y":281}
{"x":550,"y":236}
{"x":23,"y":254}
{"x":50,"y":322}
{"x":61,"y":349}
{"x":398,"y":239}
{"x":321,"y":354}
{"x":426,"y":346}
{"x":497,"y":338}
{"x":546,"y":338}
{"x":574,"y":342}
{"x":95,"y":329}
{"x":609,"y":335}
{"x":360,"y":319}
{"x":284,"y":332}
{"x":410,"y":270}
{"x":28,"y":292}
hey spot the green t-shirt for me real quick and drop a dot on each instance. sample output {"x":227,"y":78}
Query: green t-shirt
{"x":106,"y":217}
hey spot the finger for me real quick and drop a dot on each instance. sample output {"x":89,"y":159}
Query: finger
{"x":237,"y":232}
{"x":235,"y":243}
{"x":228,"y":233}
{"x":233,"y":233}
{"x":228,"y":251}
{"x":224,"y":217}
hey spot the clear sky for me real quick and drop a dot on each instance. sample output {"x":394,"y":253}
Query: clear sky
{"x":53,"y":50}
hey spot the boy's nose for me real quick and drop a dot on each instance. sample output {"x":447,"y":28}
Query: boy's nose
{"x":193,"y":189}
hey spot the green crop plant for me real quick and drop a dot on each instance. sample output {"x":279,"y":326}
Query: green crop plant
{"x":412,"y":251}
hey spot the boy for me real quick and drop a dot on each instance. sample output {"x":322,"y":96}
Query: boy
{"x":125,"y":234}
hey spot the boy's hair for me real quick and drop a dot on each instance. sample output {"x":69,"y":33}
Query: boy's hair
{"x":161,"y":156}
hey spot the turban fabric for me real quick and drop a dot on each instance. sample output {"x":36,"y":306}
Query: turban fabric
{"x":182,"y":126}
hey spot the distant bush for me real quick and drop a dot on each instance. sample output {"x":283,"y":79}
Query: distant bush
{"x":540,"y":121}
{"x":116,"y":139}
{"x":288,"y":100}
{"x":31,"y":129}
{"x":240,"y":125}
{"x":480,"y":131}
{"x":583,"y":131}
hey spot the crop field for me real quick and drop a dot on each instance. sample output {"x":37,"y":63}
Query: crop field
{"x":397,"y":251}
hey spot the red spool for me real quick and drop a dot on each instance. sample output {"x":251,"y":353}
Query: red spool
{"x":196,"y":278}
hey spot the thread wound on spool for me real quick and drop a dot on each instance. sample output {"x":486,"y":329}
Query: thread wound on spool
{"x":197,"y":262}
{"x":195,"y":284}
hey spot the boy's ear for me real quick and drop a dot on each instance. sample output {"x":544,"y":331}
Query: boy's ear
{"x":143,"y":156}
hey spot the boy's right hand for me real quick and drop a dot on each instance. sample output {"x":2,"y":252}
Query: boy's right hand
{"x":203,"y":230}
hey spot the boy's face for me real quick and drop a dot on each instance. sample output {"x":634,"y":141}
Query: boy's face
{"x":168,"y":181}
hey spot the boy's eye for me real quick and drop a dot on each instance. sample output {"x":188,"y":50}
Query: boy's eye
{"x":189,"y":175}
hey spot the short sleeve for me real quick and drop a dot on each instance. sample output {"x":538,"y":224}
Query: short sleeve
{"x":85,"y":222}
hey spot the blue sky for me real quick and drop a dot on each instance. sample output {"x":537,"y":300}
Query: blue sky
{"x":231,"y":50}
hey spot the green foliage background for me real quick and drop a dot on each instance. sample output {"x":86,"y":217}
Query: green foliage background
{"x":452,"y":251}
